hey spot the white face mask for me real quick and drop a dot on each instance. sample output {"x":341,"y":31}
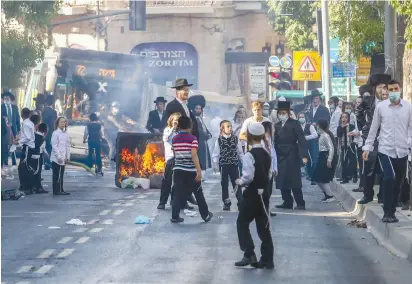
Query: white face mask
{"x":283,"y":117}
{"x":302,"y":120}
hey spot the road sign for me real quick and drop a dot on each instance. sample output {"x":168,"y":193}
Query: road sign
{"x":343,"y":70}
{"x":365,"y":63}
{"x":286,"y":62}
{"x":306,"y":66}
{"x":362,"y":76}
{"x":102,"y":87}
{"x":274,"y":61}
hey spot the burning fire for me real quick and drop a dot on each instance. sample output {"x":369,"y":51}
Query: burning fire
{"x":151,"y":162}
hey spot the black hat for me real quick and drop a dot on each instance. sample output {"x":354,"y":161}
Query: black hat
{"x":49,"y":100}
{"x":181,"y":83}
{"x":314,"y":93}
{"x":283,"y":105}
{"x":160,"y":100}
{"x":365,"y":89}
{"x":41,"y":98}
{"x":335,"y":99}
{"x":8,"y":94}
{"x":195,"y":100}
{"x":377,"y":79}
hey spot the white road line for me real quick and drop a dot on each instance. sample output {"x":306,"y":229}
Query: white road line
{"x":65,"y":253}
{"x":24,"y":269}
{"x":104,"y":212}
{"x":141,"y":196}
{"x":116,"y":204}
{"x":96,"y":230}
{"x":22,"y":282}
{"x":128,"y":204}
{"x":129,"y":197}
{"x":121,"y":200}
{"x":108,"y":222}
{"x":44,"y":269}
{"x":80,"y":230}
{"x":65,"y":240}
{"x":93,"y":221}
{"x":46,"y":254}
{"x":118,"y":212}
{"x":82,"y":240}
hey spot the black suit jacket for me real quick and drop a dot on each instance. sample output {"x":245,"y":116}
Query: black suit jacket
{"x":15,"y":117}
{"x":175,"y":106}
{"x":154,"y":121}
{"x":49,"y":117}
{"x":321,"y":113}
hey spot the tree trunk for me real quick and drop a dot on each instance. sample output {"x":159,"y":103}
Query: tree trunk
{"x":407,"y":74}
{"x":400,"y":47}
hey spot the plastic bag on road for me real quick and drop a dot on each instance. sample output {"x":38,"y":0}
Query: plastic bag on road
{"x":142,"y":220}
{"x":76,"y":222}
{"x":133,"y":182}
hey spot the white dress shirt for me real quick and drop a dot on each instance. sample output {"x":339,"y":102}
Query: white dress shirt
{"x":27,"y":134}
{"x":216,"y":150}
{"x":248,"y":168}
{"x":334,"y":121}
{"x":168,"y":135}
{"x":395,"y":124}
{"x":161,"y":115}
{"x":249,"y":121}
{"x":313,"y":133}
{"x":60,"y":146}
{"x":184,"y":105}
{"x":326,"y":144}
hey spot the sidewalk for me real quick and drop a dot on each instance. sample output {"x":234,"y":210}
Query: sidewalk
{"x":397,"y":237}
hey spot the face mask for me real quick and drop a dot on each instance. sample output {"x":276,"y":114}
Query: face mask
{"x":266,"y":113}
{"x":348,"y":111}
{"x":394,"y":96}
{"x":302,"y":120}
{"x":332,"y":108}
{"x":283,"y":117}
{"x":7,"y":102}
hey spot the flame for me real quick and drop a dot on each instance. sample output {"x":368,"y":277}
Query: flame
{"x":150,"y":162}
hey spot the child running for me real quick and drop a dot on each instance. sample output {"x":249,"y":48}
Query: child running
{"x":227,"y":155}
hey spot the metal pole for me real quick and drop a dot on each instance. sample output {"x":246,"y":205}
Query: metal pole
{"x":98,"y":26}
{"x":326,"y":49}
{"x":390,"y":39}
{"x":305,"y":88}
{"x":349,"y":79}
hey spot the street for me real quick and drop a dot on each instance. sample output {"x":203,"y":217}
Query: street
{"x":312,"y":246}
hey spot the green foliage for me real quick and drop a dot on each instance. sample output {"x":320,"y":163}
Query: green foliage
{"x":404,"y":7}
{"x":23,"y":28}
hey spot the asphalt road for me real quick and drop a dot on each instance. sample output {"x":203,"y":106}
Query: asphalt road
{"x":312,"y":246}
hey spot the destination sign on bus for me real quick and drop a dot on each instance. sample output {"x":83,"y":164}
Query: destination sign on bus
{"x":81,"y":70}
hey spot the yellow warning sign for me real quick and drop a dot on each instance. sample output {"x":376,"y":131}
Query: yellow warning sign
{"x":307,"y":66}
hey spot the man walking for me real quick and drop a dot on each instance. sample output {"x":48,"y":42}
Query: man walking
{"x":11,"y":112}
{"x":394,"y":119}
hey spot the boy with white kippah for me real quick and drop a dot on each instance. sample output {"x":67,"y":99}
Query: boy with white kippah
{"x":254,"y":182}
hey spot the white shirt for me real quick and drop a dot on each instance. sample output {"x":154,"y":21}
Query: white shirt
{"x":250,"y":120}
{"x":216,"y":150}
{"x":27,"y":134}
{"x":272,"y":153}
{"x":395,"y":123}
{"x":168,"y":135}
{"x":248,"y":167}
{"x":313,"y":133}
{"x":60,"y":146}
{"x":334,"y":121}
{"x":184,"y":105}
{"x":161,"y":115}
{"x":314,"y":111}
{"x":326,"y":144}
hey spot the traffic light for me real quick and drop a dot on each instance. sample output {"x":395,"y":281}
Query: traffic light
{"x":137,"y":16}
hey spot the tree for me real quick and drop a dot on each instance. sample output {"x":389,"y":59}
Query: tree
{"x":23,"y":28}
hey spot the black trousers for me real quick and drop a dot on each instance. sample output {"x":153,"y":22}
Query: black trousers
{"x":360,"y":163}
{"x":297,"y":194}
{"x":96,"y":149}
{"x":25,"y":174}
{"x":404,"y":195}
{"x":227,"y":172}
{"x":348,"y":163}
{"x":58,"y":174}
{"x":394,"y":170}
{"x":37,"y":166}
{"x":166,"y":188}
{"x":251,"y":208}
{"x":184,"y":184}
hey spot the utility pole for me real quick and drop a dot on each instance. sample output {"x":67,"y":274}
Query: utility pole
{"x":98,"y":26}
{"x":349,"y":79}
{"x":326,"y":50}
{"x":390,"y":39}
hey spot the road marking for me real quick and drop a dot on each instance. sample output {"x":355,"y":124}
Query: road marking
{"x":104,"y":212}
{"x":82,"y":240}
{"x":65,"y":253}
{"x":46,"y":254}
{"x":96,"y":230}
{"x":108,"y":222}
{"x":118,"y":212}
{"x":65,"y":240}
{"x":121,"y":200}
{"x":24,"y":269}
{"x":80,"y":230}
{"x":128,"y":204}
{"x":116,"y":204}
{"x":44,"y":269}
{"x":21,"y":282}
{"x":129,"y":197}
{"x":141,"y":196}
{"x":93,"y":221}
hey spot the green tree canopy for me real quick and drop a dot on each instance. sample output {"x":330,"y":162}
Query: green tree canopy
{"x":404,"y":7}
{"x":23,"y":42}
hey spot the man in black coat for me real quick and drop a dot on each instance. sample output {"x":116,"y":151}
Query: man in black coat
{"x":317,"y":111}
{"x":179,"y":104}
{"x":11,"y":111}
{"x":49,"y":117}
{"x":154,"y":123}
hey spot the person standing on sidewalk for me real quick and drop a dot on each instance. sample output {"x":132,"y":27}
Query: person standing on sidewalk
{"x":313,"y":145}
{"x":394,"y":119}
{"x":49,"y":117}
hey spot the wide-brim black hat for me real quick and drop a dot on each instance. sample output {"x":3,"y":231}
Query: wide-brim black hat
{"x":8,"y":94}
{"x":181,"y":83}
{"x":377,"y":79}
{"x":160,"y":100}
{"x":41,"y":98}
{"x":196,"y":100}
{"x":49,"y":100}
{"x":365,"y":89}
{"x":283,"y":105}
{"x":313,"y":93}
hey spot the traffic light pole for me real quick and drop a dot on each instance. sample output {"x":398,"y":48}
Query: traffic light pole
{"x":326,"y":50}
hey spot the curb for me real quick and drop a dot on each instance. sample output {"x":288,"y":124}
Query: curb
{"x":397,"y":238}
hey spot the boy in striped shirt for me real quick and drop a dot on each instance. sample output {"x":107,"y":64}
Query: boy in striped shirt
{"x":187,"y":174}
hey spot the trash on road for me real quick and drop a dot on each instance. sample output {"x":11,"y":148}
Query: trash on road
{"x":142,"y":220}
{"x":220,"y":217}
{"x":190,"y":213}
{"x":76,"y":222}
{"x":13,"y":194}
{"x":357,"y":224}
{"x":133,"y":182}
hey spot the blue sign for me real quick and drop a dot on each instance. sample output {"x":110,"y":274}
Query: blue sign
{"x":274,"y":61}
{"x":286,"y":62}
{"x":168,"y":61}
{"x":343,"y":70}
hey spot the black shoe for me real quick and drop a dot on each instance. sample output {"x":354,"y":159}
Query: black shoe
{"x":41,"y":190}
{"x":177,"y":220}
{"x":264,"y":264}
{"x":247,"y":261}
{"x":385,"y":218}
{"x":364,"y":200}
{"x":355,"y":179}
{"x":284,"y":206}
{"x":61,"y":193}
{"x":161,"y":206}
{"x":393,"y":219}
{"x":300,"y":207}
{"x":273,"y":213}
{"x":312,"y":183}
{"x":226,"y":207}
{"x":344,"y":181}
{"x":399,"y":204}
{"x":188,"y":207}
{"x":405,"y":206}
{"x":192,"y":200}
{"x":28,"y":192}
{"x":209,"y":217}
{"x":359,"y":189}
